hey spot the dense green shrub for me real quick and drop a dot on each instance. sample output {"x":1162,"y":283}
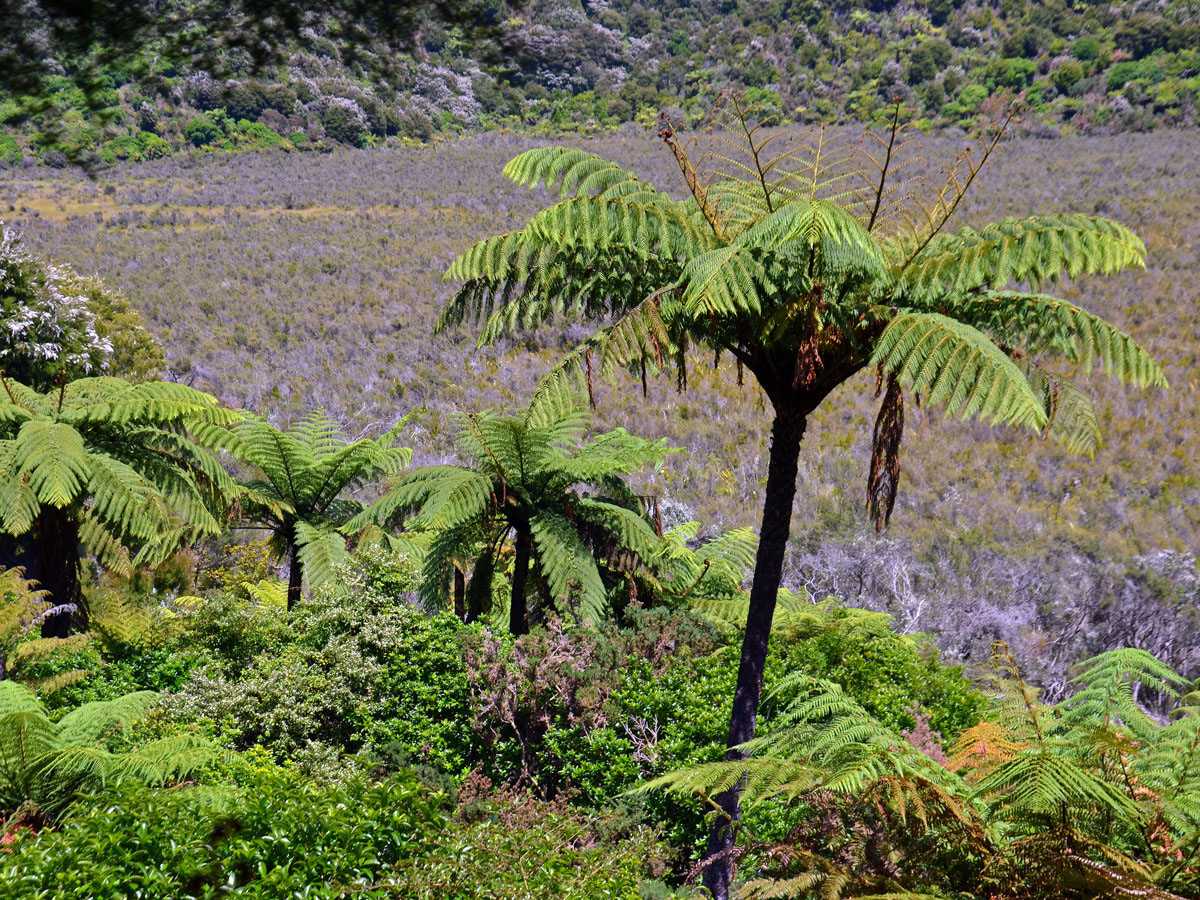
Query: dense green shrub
{"x":887,"y":674}
{"x":1086,"y":49}
{"x":1067,"y":76}
{"x":202,"y":131}
{"x":510,"y":847}
{"x":356,"y":668}
{"x":278,"y":836}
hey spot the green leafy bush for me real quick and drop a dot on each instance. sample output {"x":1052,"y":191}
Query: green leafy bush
{"x":357,"y":668}
{"x":1086,"y":49}
{"x":511,"y":847}
{"x":204,"y":130}
{"x":278,"y":836}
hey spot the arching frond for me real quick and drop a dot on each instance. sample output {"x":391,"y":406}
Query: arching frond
{"x":953,"y":364}
{"x":91,"y":721}
{"x":50,"y":456}
{"x":1037,"y":781}
{"x":575,"y":173}
{"x":1039,"y":322}
{"x":568,"y":565}
{"x":1036,"y":249}
{"x":320,"y":549}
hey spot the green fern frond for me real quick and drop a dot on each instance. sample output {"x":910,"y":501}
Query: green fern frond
{"x":568,"y":566}
{"x":320,"y":550}
{"x":1036,"y":249}
{"x":1040,"y":322}
{"x":575,"y":172}
{"x":950,"y":363}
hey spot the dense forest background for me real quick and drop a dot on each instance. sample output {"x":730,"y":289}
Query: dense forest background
{"x":223,"y":78}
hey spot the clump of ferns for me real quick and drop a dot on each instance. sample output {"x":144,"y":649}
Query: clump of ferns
{"x":1090,"y":797}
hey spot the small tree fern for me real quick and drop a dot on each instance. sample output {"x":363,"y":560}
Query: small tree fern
{"x":121,"y":470}
{"x":534,"y":487}
{"x":808,"y":266}
{"x":46,"y":765}
{"x":306,"y":471}
{"x":23,"y":609}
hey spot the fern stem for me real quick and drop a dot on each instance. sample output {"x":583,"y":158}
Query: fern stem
{"x":960,"y":191}
{"x":884,"y":169}
{"x":787,"y":431}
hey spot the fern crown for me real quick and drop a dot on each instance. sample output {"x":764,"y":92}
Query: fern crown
{"x":808,"y":264}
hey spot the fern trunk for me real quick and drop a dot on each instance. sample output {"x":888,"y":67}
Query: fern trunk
{"x":295,"y":575}
{"x":56,"y":555}
{"x":460,"y":594}
{"x":518,"y":612}
{"x":786,"y":433}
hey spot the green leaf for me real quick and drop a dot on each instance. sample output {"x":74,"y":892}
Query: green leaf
{"x":950,"y":363}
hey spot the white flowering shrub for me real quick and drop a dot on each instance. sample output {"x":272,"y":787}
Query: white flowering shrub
{"x":46,"y":323}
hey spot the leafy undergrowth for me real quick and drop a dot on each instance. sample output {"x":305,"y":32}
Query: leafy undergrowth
{"x":440,"y":759}
{"x":357,"y":747}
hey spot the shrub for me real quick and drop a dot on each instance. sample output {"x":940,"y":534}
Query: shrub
{"x":1086,"y":49}
{"x":203,"y":131}
{"x":344,"y":121}
{"x":357,"y":668}
{"x":971,"y":97}
{"x":277,"y":837}
{"x":1067,"y":76}
{"x":10,"y":150}
{"x":512,"y":847}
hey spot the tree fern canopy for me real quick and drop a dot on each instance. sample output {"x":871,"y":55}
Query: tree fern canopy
{"x":306,"y":471}
{"x":537,"y":490}
{"x":780,"y":259}
{"x":124,"y":469}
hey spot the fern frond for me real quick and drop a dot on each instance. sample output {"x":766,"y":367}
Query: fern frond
{"x":320,"y":549}
{"x":575,"y":173}
{"x":91,"y":721}
{"x":1040,"y":322}
{"x":568,"y":565}
{"x":951,"y":363}
{"x":1035,"y":249}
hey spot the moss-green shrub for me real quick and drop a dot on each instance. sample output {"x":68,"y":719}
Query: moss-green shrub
{"x":278,"y":836}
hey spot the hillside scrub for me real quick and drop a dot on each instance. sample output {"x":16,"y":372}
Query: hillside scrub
{"x":264,"y":79}
{"x":975,"y":556}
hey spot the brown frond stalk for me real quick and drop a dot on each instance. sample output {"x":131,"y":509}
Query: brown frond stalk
{"x":951,"y":195}
{"x":698,"y":189}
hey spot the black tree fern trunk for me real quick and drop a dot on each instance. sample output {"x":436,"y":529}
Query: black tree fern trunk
{"x":460,"y":594}
{"x":518,"y":613}
{"x":56,"y":555}
{"x":295,"y":575}
{"x":786,"y":434}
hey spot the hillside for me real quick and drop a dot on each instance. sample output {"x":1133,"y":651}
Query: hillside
{"x":284,"y":287}
{"x":562,"y":66}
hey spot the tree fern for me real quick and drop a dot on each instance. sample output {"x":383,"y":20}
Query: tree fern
{"x":521,"y":499}
{"x":123,"y":468}
{"x":306,"y":471}
{"x":783,"y":261}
